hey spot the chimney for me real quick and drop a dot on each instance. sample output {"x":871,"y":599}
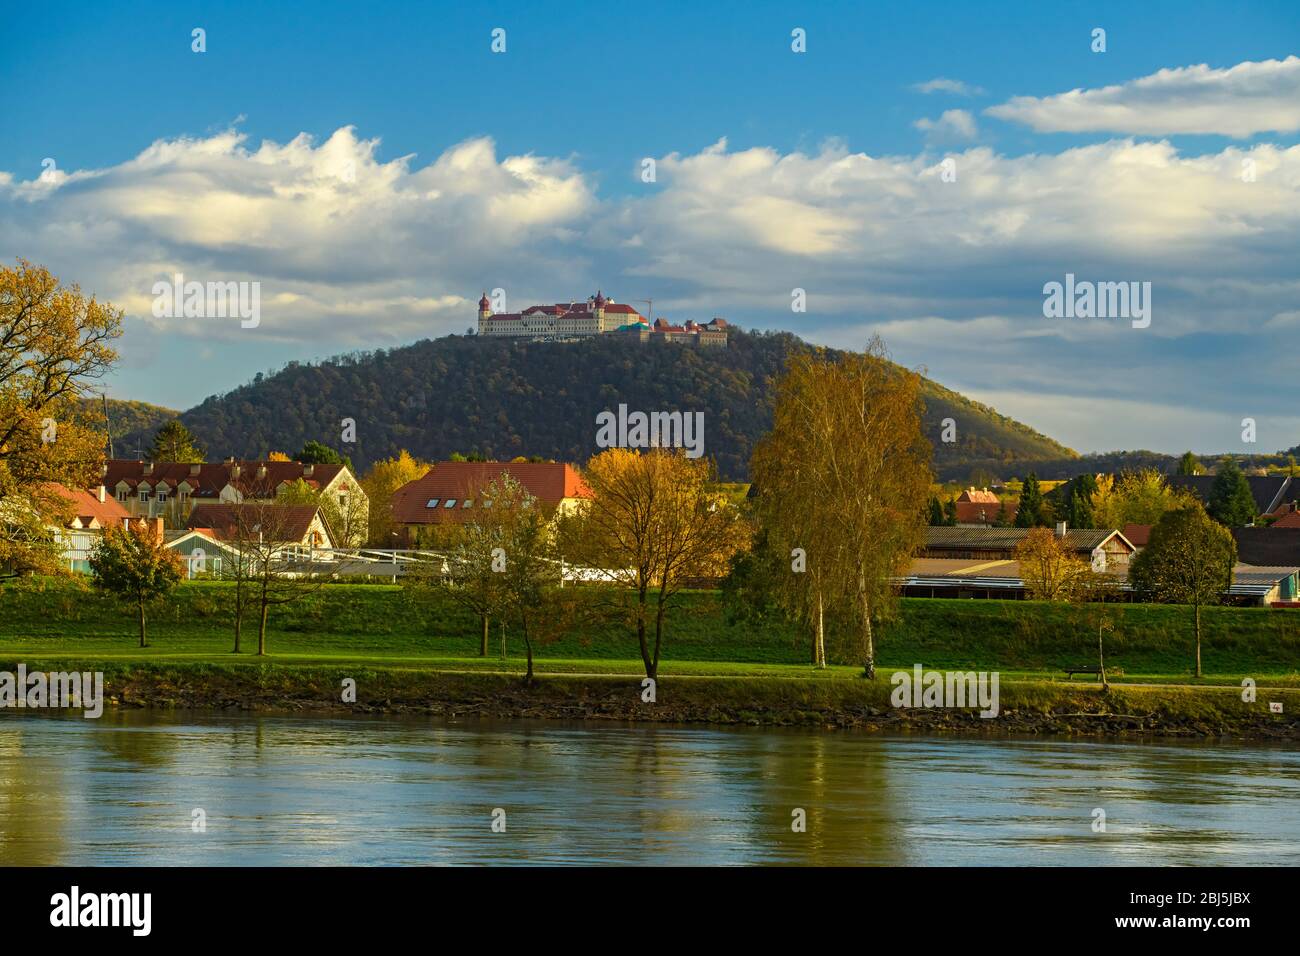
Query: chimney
{"x":103,"y":470}
{"x":261,"y":472}
{"x":101,"y":492}
{"x":1060,"y":529}
{"x":234,"y":469}
{"x":194,"y":470}
{"x":157,"y":524}
{"x":148,"y":468}
{"x":307,"y":470}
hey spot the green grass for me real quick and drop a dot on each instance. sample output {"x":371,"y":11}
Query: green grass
{"x":58,"y":619}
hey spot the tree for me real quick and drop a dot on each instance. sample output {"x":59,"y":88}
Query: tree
{"x":54,"y":342}
{"x":843,"y":478}
{"x":654,"y":519}
{"x":1029,"y":513}
{"x":1074,"y":507}
{"x":269,"y":560}
{"x":1136,"y":497}
{"x":1188,"y":560}
{"x":950,"y":512}
{"x":174,"y":442}
{"x":469,"y":571}
{"x":1231,"y":502}
{"x":936,"y":513}
{"x":380,"y":483}
{"x":529,"y":567}
{"x":316,"y":453}
{"x":1189,"y":464}
{"x":133,"y":563}
{"x":1050,"y":570}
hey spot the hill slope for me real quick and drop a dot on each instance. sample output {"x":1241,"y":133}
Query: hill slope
{"x":503,"y":399}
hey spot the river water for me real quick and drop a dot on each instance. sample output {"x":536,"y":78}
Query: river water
{"x":125,"y":789}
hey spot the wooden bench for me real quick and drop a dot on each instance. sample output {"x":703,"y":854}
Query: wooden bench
{"x":1082,"y":669}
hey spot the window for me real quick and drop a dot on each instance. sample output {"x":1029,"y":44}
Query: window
{"x":432,"y":503}
{"x":144,"y":495}
{"x":162,"y":496}
{"x":467,"y":503}
{"x":343,"y":501}
{"x":122,"y":495}
{"x":450,"y":503}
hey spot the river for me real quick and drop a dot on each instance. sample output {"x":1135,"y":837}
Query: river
{"x":275,"y":790}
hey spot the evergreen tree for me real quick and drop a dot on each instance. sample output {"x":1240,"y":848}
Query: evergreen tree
{"x":1231,"y":503}
{"x":175,"y":442}
{"x":1030,"y":513}
{"x":317,"y":453}
{"x":950,"y":513}
{"x":1189,"y":464}
{"x":936,"y":513}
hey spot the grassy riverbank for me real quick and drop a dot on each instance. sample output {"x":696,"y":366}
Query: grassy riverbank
{"x":60,"y":619}
{"x":425,"y":659}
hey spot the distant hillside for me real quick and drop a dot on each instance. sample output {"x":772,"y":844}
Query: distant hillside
{"x":503,"y":399}
{"x":129,"y":421}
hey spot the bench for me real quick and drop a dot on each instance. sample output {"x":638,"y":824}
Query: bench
{"x":1082,"y":669}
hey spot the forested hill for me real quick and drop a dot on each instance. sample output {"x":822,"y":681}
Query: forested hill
{"x":502,"y":399}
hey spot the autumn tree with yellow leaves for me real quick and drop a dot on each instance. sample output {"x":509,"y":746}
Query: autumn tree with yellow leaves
{"x":54,"y":343}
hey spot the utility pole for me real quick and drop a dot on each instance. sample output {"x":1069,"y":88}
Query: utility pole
{"x":108,"y":425}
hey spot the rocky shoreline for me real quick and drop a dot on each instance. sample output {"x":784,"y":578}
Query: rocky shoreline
{"x":1029,"y":708}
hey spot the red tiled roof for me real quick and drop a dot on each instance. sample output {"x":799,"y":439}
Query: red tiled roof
{"x":983,"y":512}
{"x":548,"y":482}
{"x":213,"y":477}
{"x":87,"y":506}
{"x":1137,"y":534}
{"x":285,"y":522}
{"x":984,"y":497}
{"x":1289,"y":520}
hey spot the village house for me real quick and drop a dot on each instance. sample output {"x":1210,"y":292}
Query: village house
{"x":93,"y":512}
{"x":983,"y":508}
{"x":980,"y":563}
{"x":171,"y":490}
{"x":299,"y":527}
{"x":450,"y":491}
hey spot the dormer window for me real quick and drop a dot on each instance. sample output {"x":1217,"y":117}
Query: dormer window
{"x":449,"y":503}
{"x":432,"y":503}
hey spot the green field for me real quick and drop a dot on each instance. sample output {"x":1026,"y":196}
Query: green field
{"x":57,"y":619}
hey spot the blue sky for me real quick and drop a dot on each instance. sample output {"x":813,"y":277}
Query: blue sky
{"x":776,"y":170}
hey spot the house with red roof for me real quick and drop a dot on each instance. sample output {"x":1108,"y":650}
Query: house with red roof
{"x":91,"y":513}
{"x":451,"y":492}
{"x":171,"y":490}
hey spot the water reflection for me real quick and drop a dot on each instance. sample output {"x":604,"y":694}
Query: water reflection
{"x":279,"y":790}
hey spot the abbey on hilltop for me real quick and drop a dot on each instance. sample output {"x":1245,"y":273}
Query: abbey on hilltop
{"x":595,"y":316}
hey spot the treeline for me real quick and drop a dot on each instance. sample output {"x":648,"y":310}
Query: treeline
{"x":503,"y":399}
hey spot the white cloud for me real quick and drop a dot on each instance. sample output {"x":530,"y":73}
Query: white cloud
{"x":354,"y":251}
{"x":335,"y":236}
{"x":951,"y":125}
{"x":1249,"y":98}
{"x":943,"y":85}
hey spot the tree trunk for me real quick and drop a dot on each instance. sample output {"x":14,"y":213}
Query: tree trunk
{"x":653,"y":673}
{"x":143,"y":641}
{"x":868,"y":645}
{"x":528,"y":649}
{"x":640,"y":634}
{"x":1197,"y":610}
{"x":239,"y":621}
{"x":819,"y":650}
{"x":261,"y":632}
{"x":483,"y":645}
